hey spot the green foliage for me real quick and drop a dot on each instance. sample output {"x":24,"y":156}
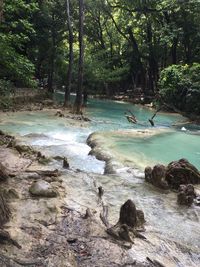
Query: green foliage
{"x":180,"y":85}
{"x":127,"y":43}
{"x":14,"y":66}
{"x":6,"y":88}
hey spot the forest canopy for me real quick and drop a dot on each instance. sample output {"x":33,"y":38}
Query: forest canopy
{"x":128,"y":46}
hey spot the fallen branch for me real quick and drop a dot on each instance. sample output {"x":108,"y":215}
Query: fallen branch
{"x":104,"y":216}
{"x":54,"y":173}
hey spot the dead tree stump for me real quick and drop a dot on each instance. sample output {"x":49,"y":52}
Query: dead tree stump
{"x":129,"y":225}
{"x":128,"y":214}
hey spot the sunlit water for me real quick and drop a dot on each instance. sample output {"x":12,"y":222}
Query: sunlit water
{"x":54,"y":137}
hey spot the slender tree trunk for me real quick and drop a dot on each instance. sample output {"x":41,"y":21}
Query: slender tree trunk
{"x":1,"y":11}
{"x":79,"y":92}
{"x":71,"y":58}
{"x":174,"y":50}
{"x":52,"y":61}
{"x":153,"y":65}
{"x":137,"y":66}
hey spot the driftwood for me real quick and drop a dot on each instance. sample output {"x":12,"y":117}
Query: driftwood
{"x":101,"y":191}
{"x":131,"y":118}
{"x":104,"y":216}
{"x":151,"y":119}
{"x":54,"y":173}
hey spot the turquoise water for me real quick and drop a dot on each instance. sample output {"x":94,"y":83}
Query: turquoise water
{"x":109,"y":116}
{"x":162,"y":148}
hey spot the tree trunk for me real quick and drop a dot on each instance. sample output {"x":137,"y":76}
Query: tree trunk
{"x":52,"y":60}
{"x":153,"y":65}
{"x":1,"y":11}
{"x":79,"y":97}
{"x":174,"y":50}
{"x":137,"y":66}
{"x":71,"y":58}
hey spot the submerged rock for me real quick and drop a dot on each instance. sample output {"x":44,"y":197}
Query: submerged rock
{"x":42,"y":189}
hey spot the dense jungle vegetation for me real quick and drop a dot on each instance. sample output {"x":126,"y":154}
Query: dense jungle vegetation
{"x":103,"y":47}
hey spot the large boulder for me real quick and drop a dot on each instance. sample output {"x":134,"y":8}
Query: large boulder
{"x":42,"y":189}
{"x":181,"y":172}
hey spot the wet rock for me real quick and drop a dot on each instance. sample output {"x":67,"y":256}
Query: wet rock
{"x":156,"y":176}
{"x":186,"y":195}
{"x":42,"y":189}
{"x":181,"y":172}
{"x":65,"y":163}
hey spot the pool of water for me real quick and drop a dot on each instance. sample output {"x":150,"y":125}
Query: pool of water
{"x":108,"y":116}
{"x":54,"y":136}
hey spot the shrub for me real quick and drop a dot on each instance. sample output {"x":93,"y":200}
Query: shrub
{"x":179,"y":85}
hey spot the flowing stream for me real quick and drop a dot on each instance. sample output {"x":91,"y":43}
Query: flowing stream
{"x":55,"y":137}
